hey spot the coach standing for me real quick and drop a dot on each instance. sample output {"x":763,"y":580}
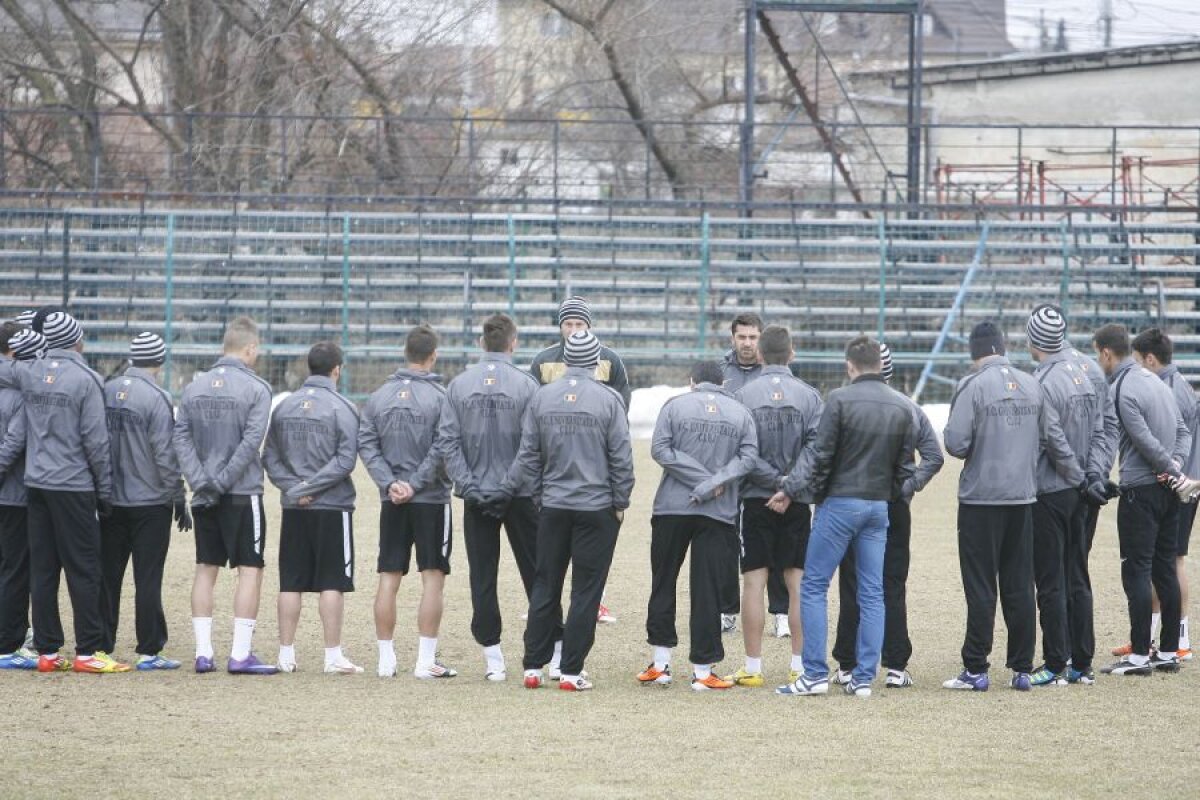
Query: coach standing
{"x":147,"y":494}
{"x":575,"y":436}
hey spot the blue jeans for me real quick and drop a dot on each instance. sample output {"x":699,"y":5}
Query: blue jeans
{"x":839,"y":524}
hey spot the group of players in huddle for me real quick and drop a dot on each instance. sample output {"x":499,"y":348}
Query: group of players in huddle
{"x":92,"y":476}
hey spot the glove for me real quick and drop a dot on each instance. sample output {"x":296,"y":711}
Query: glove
{"x":1095,"y":490}
{"x":495,"y":504}
{"x":473,"y":497}
{"x":183,"y":517}
{"x":1188,"y":490}
{"x":104,"y":508}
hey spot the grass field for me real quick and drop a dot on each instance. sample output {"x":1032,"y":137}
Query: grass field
{"x":186,"y":735}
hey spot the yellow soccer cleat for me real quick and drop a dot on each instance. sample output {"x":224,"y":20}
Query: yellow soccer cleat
{"x":99,"y":663}
{"x":743,"y":678}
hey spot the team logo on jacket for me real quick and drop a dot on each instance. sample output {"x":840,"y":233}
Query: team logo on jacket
{"x":121,"y":395}
{"x":710,"y":408}
{"x":489,"y":381}
{"x":1011,"y":386}
{"x":217,"y":383}
{"x":571,"y":398}
{"x":306,"y":404}
{"x":402,"y":394}
{"x":777,"y":396}
{"x":48,"y":379}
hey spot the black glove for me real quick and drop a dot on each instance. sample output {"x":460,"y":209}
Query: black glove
{"x":1114,"y":491}
{"x":183,"y":517}
{"x":104,"y":508}
{"x":474,"y":497}
{"x":1095,"y":490}
{"x":495,"y":504}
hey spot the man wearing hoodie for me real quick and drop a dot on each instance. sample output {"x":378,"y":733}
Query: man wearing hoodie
{"x":399,"y":445}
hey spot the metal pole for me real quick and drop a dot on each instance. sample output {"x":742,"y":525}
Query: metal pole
{"x":702,"y":317}
{"x":916,"y":57}
{"x":883,"y":257}
{"x":557,"y":137}
{"x":512,"y":265}
{"x":66,"y":258}
{"x":746,"y":155}
{"x":345,"y":295}
{"x":169,"y":299}
{"x":3,"y":154}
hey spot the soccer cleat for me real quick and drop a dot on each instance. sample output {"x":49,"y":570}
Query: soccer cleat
{"x":1021,"y":682}
{"x":793,"y":676}
{"x":841,"y":678}
{"x":1127,"y":667}
{"x":744,"y":678}
{"x":1043,"y":676}
{"x":1123,"y":650}
{"x":710,"y":682}
{"x":18,"y":660}
{"x":554,"y":671}
{"x":968,"y":682}
{"x":286,"y":664}
{"x":250,"y":665}
{"x":574,"y":683}
{"x":99,"y":663}
{"x":53,"y":662}
{"x":534,"y":679}
{"x":854,"y":689}
{"x":496,"y":676}
{"x":651,"y":675}
{"x":804,"y":686}
{"x":782,"y":629}
{"x":897,"y":679}
{"x":1164,"y":662}
{"x":1184,"y":654}
{"x":603,"y":614}
{"x":342,"y":666}
{"x":434,"y":670}
{"x":728,"y":623}
{"x":1083,"y":678}
{"x":156,"y":662}
{"x":205,"y":664}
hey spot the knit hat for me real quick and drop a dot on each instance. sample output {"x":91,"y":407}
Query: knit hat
{"x":575,"y":308}
{"x":39,"y":317}
{"x":26,"y":345}
{"x":147,"y":350}
{"x":582,"y":350}
{"x":1047,"y":328}
{"x":885,"y":362}
{"x":25,"y":318}
{"x":61,"y":331}
{"x":986,"y":340}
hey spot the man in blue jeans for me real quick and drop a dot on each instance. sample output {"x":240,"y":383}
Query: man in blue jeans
{"x":864,"y":438}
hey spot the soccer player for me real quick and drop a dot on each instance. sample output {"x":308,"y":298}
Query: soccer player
{"x":16,"y":344}
{"x":575,"y":436}
{"x":1059,"y":515}
{"x":865,"y":436}
{"x":311,"y":450}
{"x":397,"y":439}
{"x":705,"y":441}
{"x":999,"y":423}
{"x":786,"y":411}
{"x":481,"y":433}
{"x":219,"y":431}
{"x":147,"y":494}
{"x":897,"y":647}
{"x":69,"y":477}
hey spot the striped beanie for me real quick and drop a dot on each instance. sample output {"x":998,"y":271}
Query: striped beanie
{"x":1047,"y":328}
{"x":39,"y":317}
{"x":885,"y":362}
{"x":147,"y":350}
{"x":582,"y":350}
{"x":25,"y":318}
{"x":61,"y":330}
{"x":575,"y":308}
{"x":26,"y":345}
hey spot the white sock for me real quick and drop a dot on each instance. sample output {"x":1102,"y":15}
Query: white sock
{"x":1185,"y":641}
{"x":426,"y":651}
{"x":662,"y":658}
{"x":143,"y":658}
{"x":243,"y":638}
{"x":387,"y":653}
{"x":1155,"y":626}
{"x":494,"y":658}
{"x":753,"y":665}
{"x":702,"y":671}
{"x":333,"y":655}
{"x":556,"y":659}
{"x":287,"y":653}
{"x":797,"y":663}
{"x":1134,"y":658}
{"x":202,"y":628}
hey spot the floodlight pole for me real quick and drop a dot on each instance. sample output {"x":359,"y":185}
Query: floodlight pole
{"x":749,"y":87}
{"x":916,"y":59}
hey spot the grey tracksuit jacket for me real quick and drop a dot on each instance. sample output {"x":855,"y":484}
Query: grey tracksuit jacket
{"x":1103,"y":448}
{"x":548,"y":366}
{"x":66,"y":438}
{"x":1000,"y":423}
{"x":219,"y":431}
{"x":917,"y":476}
{"x":1185,"y":396}
{"x":576,"y":436}
{"x":704,"y":440}
{"x":141,"y":425}
{"x":397,"y":435}
{"x":786,"y":412}
{"x":738,"y":377}
{"x":481,"y":428}
{"x":1080,"y":411}
{"x":12,"y":448}
{"x":312,"y":447}
{"x":1154,"y":437}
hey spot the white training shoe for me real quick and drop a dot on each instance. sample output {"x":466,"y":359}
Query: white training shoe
{"x":782,"y":629}
{"x":386,"y":669}
{"x":286,"y":664}
{"x":496,"y":676}
{"x":434,"y":670}
{"x":554,"y":671}
{"x":841,"y":678}
{"x":343,"y":666}
{"x":898,"y":679}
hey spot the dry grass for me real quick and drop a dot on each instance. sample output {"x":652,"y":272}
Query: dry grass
{"x":186,"y":735}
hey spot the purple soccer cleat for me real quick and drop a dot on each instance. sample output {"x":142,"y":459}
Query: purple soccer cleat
{"x":204,"y":664}
{"x":250,"y":666}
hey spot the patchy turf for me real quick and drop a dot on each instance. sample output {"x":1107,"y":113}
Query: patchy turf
{"x":184,"y":735}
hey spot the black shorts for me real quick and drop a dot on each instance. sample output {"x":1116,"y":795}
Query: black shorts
{"x":426,"y":526}
{"x":233,"y":532}
{"x":1187,"y":517}
{"x":316,"y":551}
{"x":770,"y":540}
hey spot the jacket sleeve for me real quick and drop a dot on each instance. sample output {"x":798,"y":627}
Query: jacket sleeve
{"x":1106,"y":453}
{"x":251,"y":444}
{"x":808,"y":450}
{"x":674,"y":462}
{"x":93,"y":431}
{"x":1183,"y":440}
{"x":370,"y":450}
{"x":427,"y":471}
{"x":1142,"y":437}
{"x":450,"y":437}
{"x":185,"y":450}
{"x":13,"y":443}
{"x":341,"y":465}
{"x":736,"y":467}
{"x":1054,"y":442}
{"x":928,"y":449}
{"x":535,"y":367}
{"x":620,"y":459}
{"x":618,"y":379}
{"x":1098,"y":462}
{"x":526,"y":468}
{"x":798,"y":485}
{"x":959,"y":434}
{"x":277,"y":468}
{"x":162,"y":426}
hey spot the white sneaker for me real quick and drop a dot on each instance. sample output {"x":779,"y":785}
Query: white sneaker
{"x":387,"y":669}
{"x":286,"y":664}
{"x":534,"y":679}
{"x":434,"y":670}
{"x":857,"y":690}
{"x":342,"y":666}
{"x":554,"y":671}
{"x":841,"y":678}
{"x":898,"y":679}
{"x":496,"y":676}
{"x":728,"y":623}
{"x":782,"y":629}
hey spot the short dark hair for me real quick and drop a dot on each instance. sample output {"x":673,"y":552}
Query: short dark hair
{"x":775,"y":345}
{"x":1113,"y":336}
{"x":7,"y":331}
{"x":499,"y":331}
{"x":707,"y":372}
{"x":323,"y":357}
{"x":421,"y":344}
{"x":863,"y":353}
{"x":1154,"y":342}
{"x":749,"y":319}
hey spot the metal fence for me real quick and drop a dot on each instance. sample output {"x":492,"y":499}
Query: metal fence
{"x":663,"y":289}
